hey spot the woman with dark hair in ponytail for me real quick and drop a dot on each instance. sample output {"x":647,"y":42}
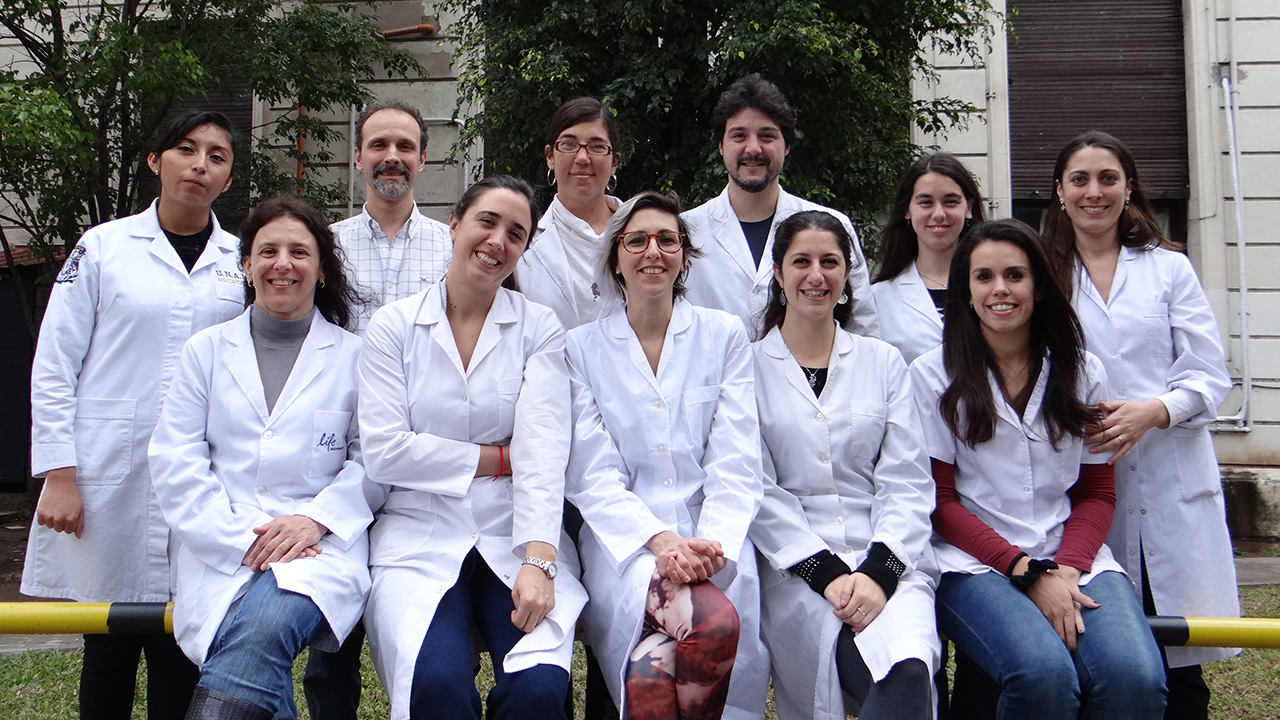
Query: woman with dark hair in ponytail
{"x":464,"y":419}
{"x":845,"y":514}
{"x":1147,"y":318}
{"x":1028,"y":590}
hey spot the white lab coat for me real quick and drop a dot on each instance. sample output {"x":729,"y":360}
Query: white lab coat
{"x":908,"y":318}
{"x":850,"y":470}
{"x":422,"y":421}
{"x":727,"y":280}
{"x":121,"y":310}
{"x":223,"y":465}
{"x":544,"y":276}
{"x":1016,"y":482}
{"x":679,"y":452}
{"x":1157,"y":337}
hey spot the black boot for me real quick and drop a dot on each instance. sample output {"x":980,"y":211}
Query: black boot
{"x":209,"y":704}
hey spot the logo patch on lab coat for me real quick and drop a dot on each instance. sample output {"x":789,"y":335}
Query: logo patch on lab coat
{"x":230,"y":277}
{"x":71,"y":268}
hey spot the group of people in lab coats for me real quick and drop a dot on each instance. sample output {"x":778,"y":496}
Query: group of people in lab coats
{"x":984,"y":442}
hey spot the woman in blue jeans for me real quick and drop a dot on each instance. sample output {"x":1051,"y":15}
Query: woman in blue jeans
{"x":1028,"y":590}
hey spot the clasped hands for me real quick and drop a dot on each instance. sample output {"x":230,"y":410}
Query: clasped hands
{"x":686,"y":560}
{"x":283,"y":539}
{"x":857,"y":599}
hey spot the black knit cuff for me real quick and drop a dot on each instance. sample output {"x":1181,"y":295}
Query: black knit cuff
{"x":819,"y":569}
{"x":884,"y":567}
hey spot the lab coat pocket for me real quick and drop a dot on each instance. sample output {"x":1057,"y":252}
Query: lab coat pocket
{"x":699,"y":411}
{"x":868,"y":427}
{"x":104,"y":440}
{"x":230,"y":291}
{"x":1197,"y":467}
{"x":1159,"y":335}
{"x":508,"y":391}
{"x":402,"y":528}
{"x":328,"y":442}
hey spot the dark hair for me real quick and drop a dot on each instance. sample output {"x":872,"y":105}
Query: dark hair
{"x":774,"y":311}
{"x":500,"y":182}
{"x":899,"y":245}
{"x":335,"y":298}
{"x":757,"y":93}
{"x":1055,"y":333}
{"x":649,"y":200}
{"x":399,"y":106}
{"x":582,"y":110}
{"x":1138,"y":227}
{"x":185,"y":122}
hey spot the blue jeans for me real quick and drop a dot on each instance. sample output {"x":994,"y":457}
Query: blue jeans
{"x":1116,"y":671}
{"x":443,"y":680}
{"x":252,"y":655}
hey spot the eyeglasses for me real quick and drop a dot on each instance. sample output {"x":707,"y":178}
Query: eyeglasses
{"x":637,"y":242}
{"x":571,"y":146}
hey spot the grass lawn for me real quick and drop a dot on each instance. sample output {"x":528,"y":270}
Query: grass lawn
{"x":43,"y":685}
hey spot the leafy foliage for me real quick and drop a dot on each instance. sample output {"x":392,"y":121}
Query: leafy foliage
{"x":79,"y":116}
{"x":846,"y":65}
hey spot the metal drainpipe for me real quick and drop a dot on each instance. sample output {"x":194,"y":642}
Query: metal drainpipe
{"x":1242,"y":420}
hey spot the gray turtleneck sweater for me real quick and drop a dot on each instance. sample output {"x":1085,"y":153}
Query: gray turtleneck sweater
{"x":277,"y":343}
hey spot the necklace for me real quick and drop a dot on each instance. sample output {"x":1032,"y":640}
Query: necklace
{"x":812,"y":374}
{"x":935,"y":281}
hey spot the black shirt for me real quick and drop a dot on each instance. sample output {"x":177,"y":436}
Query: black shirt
{"x":939,"y":297}
{"x":189,"y":247}
{"x":757,"y":235}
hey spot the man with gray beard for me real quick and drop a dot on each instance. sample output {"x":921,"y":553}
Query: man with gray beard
{"x":392,"y":250}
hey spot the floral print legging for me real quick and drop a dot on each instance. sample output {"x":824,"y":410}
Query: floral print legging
{"x":680,"y":669}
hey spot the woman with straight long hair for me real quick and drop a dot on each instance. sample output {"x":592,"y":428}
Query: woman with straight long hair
{"x":845,"y":515}
{"x":257,"y":470}
{"x":666,"y":471}
{"x":464,"y":416}
{"x":1147,"y":318}
{"x":1029,"y":591}
{"x":563,"y":268}
{"x":128,"y":297}
{"x":936,"y":202}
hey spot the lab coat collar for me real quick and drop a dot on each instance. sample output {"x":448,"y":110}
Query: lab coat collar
{"x":242,"y":362}
{"x":1006,"y":412}
{"x":619,"y":327}
{"x":729,"y":233}
{"x":545,"y":251}
{"x":432,"y":312}
{"x":148,"y":227}
{"x":1085,"y":285}
{"x":916,"y":294}
{"x":775,"y":347}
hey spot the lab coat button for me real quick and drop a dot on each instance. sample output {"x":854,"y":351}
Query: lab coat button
{"x":1132,"y":468}
{"x":848,"y":549}
{"x":1144,"y":511}
{"x":262,"y":490}
{"x":1026,"y":488}
{"x":757,"y":291}
{"x":659,"y":404}
{"x":839,"y":520}
{"x":667,"y":482}
{"x":819,"y":417}
{"x":831,"y":491}
{"x":822,"y":457}
{"x":1113,"y":353}
{"x":268,"y":435}
{"x":662,"y":449}
{"x":464,"y":398}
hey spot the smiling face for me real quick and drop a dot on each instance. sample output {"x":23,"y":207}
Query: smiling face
{"x":389,"y":156}
{"x":651,"y":272}
{"x":1093,"y":187}
{"x":196,"y":170}
{"x":580,"y":175}
{"x":937,"y":212}
{"x":812,"y":274}
{"x":1002,"y":289}
{"x":753,"y":150}
{"x":490,"y":237}
{"x":284,"y":267}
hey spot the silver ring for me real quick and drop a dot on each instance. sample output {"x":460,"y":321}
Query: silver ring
{"x":863,"y":612}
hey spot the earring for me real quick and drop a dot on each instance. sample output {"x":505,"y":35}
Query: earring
{"x":1062,"y":205}
{"x":1126,"y":205}
{"x":321,"y":283}
{"x":843,"y":299}
{"x":782,"y":299}
{"x":612,"y":184}
{"x":249,"y":280}
{"x":551,"y":177}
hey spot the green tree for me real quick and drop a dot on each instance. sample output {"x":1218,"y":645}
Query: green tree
{"x":846,"y":65}
{"x":78,"y":114}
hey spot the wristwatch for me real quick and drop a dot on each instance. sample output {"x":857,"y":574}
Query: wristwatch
{"x":545,"y":566}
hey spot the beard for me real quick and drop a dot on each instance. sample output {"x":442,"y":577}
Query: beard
{"x":389,"y":187}
{"x":754,"y":185}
